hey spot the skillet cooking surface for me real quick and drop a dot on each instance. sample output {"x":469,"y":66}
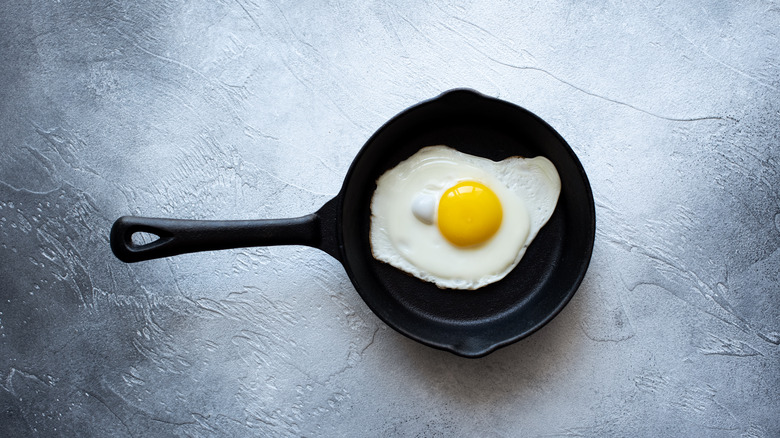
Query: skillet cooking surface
{"x":470,"y":323}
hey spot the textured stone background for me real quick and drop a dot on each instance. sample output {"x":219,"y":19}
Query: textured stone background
{"x":254,"y":109}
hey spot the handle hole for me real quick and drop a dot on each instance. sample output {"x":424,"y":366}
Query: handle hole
{"x":141,"y":238}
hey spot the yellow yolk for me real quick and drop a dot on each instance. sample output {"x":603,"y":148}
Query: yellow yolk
{"x":469,"y":214}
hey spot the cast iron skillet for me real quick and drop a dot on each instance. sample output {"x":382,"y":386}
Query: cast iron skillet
{"x":467,"y":323}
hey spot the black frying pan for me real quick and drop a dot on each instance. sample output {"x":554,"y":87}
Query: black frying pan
{"x":467,"y":323}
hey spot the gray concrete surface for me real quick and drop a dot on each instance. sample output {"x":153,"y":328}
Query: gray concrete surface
{"x":253,"y":109}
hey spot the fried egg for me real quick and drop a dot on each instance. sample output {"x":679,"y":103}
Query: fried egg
{"x":458,"y":220}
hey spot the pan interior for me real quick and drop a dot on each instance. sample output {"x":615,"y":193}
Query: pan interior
{"x":470,"y":323}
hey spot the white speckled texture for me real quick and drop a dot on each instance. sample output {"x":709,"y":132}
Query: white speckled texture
{"x":255,"y":109}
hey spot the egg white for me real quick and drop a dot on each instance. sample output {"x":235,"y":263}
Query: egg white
{"x":528,"y":189}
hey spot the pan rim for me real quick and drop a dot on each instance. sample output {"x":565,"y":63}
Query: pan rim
{"x":468,"y":347}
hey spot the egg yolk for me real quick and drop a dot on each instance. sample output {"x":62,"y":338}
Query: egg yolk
{"x":469,"y":214}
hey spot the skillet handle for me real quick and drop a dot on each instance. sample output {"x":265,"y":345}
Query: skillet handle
{"x":178,"y":236}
